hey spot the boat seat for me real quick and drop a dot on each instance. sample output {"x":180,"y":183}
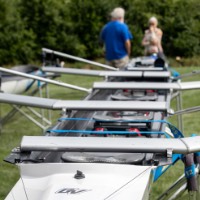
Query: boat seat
{"x":105,"y":118}
{"x":121,"y":97}
{"x":112,"y":158}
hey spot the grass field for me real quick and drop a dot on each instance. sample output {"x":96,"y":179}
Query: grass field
{"x":18,"y":126}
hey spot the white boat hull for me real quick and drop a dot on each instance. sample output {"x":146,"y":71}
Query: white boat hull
{"x":17,"y":86}
{"x":102,"y":181}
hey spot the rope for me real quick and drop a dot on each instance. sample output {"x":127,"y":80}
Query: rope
{"x":175,"y":131}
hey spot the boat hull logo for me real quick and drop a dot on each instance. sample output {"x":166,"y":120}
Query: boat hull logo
{"x":71,"y":191}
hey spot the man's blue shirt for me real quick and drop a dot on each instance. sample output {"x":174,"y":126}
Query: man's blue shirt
{"x":114,"y":35}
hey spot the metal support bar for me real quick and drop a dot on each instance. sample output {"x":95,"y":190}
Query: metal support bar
{"x":175,"y":190}
{"x":31,"y":118}
{"x":91,"y":144}
{"x":46,"y":120}
{"x":66,"y":85}
{"x":190,"y":174}
{"x":179,"y":187}
{"x":39,"y":115}
{"x":188,"y":75}
{"x":174,"y":95}
{"x":187,"y":110}
{"x":47,"y":96}
{"x":41,"y":110}
{"x":179,"y":192}
{"x":179,"y":107}
{"x":78,"y":59}
{"x":5,"y":119}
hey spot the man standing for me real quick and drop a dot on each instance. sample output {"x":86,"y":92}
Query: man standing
{"x":116,"y":37}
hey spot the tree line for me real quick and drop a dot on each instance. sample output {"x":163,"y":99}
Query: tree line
{"x":73,"y":26}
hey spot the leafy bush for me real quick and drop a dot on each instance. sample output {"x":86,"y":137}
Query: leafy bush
{"x":74,"y":26}
{"x":15,"y":41}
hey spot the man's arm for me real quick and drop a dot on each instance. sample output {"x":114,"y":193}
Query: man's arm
{"x":127,"y":37}
{"x":128,"y":47}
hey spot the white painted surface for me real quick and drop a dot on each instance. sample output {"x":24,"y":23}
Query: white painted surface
{"x":102,"y":181}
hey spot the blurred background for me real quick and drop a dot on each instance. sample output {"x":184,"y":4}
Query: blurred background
{"x":73,"y":27}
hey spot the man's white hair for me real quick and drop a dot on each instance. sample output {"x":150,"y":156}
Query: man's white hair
{"x":153,"y":19}
{"x":118,"y":13}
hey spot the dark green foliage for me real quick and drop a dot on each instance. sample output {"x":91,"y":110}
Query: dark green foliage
{"x":15,"y":41}
{"x":187,"y":28}
{"x":49,"y":20}
{"x":89,"y":17}
{"x":74,"y":26}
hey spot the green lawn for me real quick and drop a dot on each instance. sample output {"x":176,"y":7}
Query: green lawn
{"x":18,"y":126}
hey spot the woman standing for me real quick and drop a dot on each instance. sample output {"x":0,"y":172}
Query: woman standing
{"x":152,"y":40}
